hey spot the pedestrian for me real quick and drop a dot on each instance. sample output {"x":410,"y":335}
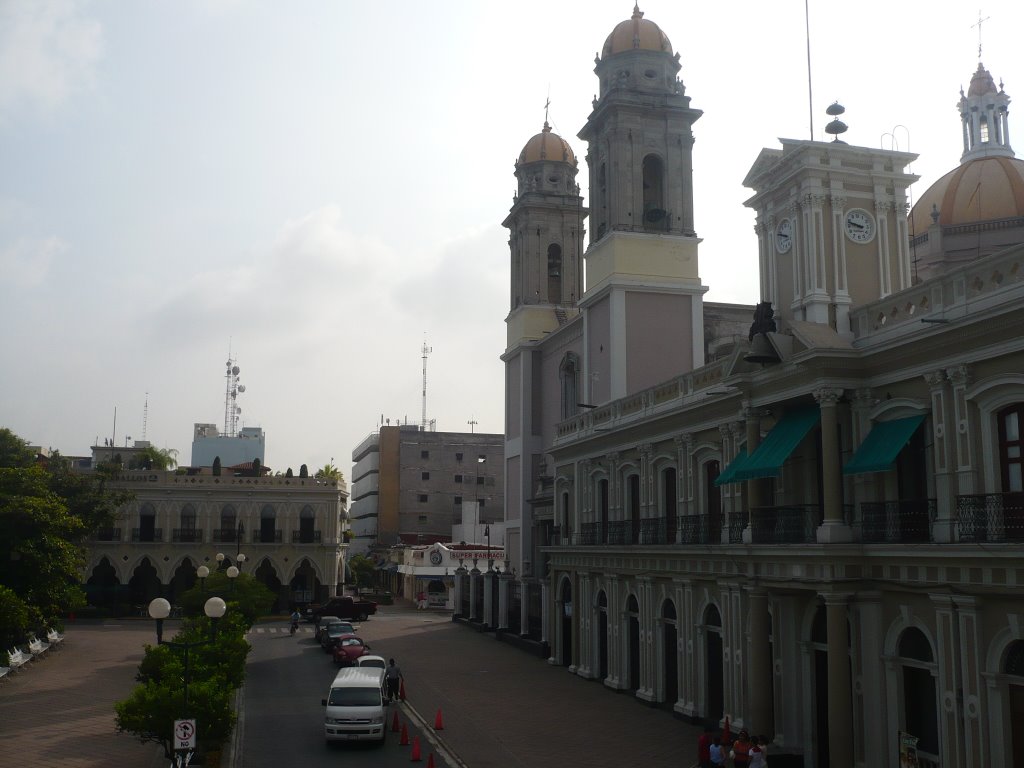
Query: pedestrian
{"x":740,"y":753}
{"x":758,"y":753}
{"x":717,"y":752}
{"x":393,"y":677}
{"x":421,"y":601}
{"x":704,"y":748}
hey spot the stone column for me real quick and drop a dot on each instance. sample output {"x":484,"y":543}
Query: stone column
{"x":647,"y":621}
{"x":944,"y":527}
{"x":755,"y":485}
{"x":583,"y":611}
{"x":966,"y":466}
{"x":504,"y":584}
{"x":759,"y":666}
{"x":458,"y":597}
{"x":840,"y":714}
{"x":684,"y":476}
{"x":834,"y":529}
{"x":487,"y":582}
{"x":475,"y":583}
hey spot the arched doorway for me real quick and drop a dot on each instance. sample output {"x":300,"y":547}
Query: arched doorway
{"x":670,"y":635}
{"x":104,"y":589}
{"x":1013,"y":667}
{"x":144,"y":584}
{"x":266,"y":574}
{"x":920,"y":701}
{"x":602,"y":635}
{"x":819,"y":649}
{"x":633,"y":635}
{"x":714,"y":694}
{"x":565,"y":600}
{"x":305,"y":587}
{"x":184,"y":579}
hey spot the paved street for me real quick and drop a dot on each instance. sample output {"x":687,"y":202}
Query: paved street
{"x":500,"y":706}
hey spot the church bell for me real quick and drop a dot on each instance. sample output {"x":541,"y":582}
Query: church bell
{"x":761,"y":351}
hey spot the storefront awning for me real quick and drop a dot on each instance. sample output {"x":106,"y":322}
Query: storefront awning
{"x":773,"y":451}
{"x":729,"y":475}
{"x":879,"y":450}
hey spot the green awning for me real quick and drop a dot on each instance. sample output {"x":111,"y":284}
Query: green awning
{"x":773,"y":451}
{"x":879,"y":450}
{"x":729,"y":475}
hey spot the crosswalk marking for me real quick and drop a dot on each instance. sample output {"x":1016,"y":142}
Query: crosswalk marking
{"x":275,"y":630}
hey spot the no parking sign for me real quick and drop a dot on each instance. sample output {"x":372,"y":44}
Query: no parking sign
{"x":184,"y":734}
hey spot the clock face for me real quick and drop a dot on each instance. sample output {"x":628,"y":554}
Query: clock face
{"x":859,"y":225}
{"x":436,"y":557}
{"x":784,"y":236}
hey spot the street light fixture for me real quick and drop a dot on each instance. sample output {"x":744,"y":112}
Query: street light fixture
{"x":232,"y":574}
{"x":160,"y":609}
{"x":202,"y":572}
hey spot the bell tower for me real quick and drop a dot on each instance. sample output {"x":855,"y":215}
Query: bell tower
{"x":545,"y":238}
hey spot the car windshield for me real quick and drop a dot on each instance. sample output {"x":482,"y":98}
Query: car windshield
{"x":344,"y":626}
{"x":352,"y":641}
{"x":355,"y":697}
{"x":373,"y":663}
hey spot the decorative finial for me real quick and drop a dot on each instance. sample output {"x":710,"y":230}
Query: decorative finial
{"x":935,"y":214}
{"x":546,"y":105}
{"x":637,"y":13}
{"x":978,"y":25}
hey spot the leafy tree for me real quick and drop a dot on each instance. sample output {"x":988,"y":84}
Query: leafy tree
{"x":14,"y":452}
{"x":247,"y":597}
{"x":329,"y":472}
{"x":152,"y":457}
{"x":216,"y":466}
{"x":362,"y":569}
{"x":289,"y":473}
{"x":303,"y":471}
{"x":16,"y":619}
{"x":257,"y":470}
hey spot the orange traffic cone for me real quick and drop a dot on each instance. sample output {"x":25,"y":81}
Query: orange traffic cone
{"x":401,"y":691}
{"x":394,"y":722}
{"x":438,"y":722}
{"x":415,"y":758}
{"x":405,"y":736}
{"x":430,"y":761}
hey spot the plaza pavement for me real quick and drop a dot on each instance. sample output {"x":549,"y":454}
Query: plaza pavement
{"x":500,"y":706}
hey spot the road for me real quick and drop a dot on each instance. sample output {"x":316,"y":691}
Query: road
{"x":282,"y":718}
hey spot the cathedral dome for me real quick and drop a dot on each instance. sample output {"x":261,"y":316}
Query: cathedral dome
{"x":636,"y":33}
{"x":547,"y":145}
{"x":981,"y":82}
{"x":985,"y":189}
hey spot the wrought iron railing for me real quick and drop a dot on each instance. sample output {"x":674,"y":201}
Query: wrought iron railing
{"x":270,"y":536}
{"x":306,"y":537}
{"x":991,"y":517}
{"x":190,"y":535}
{"x":789,"y":524}
{"x":903,"y":521}
{"x":107,"y":534}
{"x":153,"y":534}
{"x":225,"y":535}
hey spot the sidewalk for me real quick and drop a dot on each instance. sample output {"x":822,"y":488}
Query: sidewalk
{"x":58,"y":711}
{"x":503,"y":708}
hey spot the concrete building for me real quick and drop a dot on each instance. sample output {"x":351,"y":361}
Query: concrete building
{"x":208,"y":444}
{"x":409,"y":485}
{"x":814,"y":533}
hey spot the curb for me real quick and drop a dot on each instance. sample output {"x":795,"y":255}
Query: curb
{"x":234,"y":759}
{"x":440,"y":745}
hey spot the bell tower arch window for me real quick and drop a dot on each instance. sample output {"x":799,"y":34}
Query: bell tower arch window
{"x":655,"y":215}
{"x":555,"y":273}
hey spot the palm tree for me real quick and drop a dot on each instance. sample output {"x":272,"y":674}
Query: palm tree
{"x":329,"y":472}
{"x":152,"y":457}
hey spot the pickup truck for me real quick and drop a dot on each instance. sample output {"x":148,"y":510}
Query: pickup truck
{"x":344,"y":607}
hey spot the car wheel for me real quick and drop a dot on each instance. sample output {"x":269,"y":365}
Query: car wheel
{"x":361,"y":617}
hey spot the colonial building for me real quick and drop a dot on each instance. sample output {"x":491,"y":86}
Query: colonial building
{"x":815,"y":532}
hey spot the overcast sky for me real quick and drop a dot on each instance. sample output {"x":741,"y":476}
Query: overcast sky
{"x":319,"y":187}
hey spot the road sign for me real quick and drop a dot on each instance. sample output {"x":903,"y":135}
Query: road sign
{"x":184,"y":734}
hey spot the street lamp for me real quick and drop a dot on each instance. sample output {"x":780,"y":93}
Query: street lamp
{"x":202,"y":572}
{"x":232,"y":574}
{"x":240,"y":558}
{"x":160,"y":609}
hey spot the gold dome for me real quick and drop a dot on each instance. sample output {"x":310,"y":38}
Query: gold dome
{"x":547,"y":145}
{"x":985,"y":189}
{"x":636,"y":33}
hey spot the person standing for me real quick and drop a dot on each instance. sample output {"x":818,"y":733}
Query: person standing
{"x":758,"y":754}
{"x":741,"y":750}
{"x":704,"y":748}
{"x":393,"y":677}
{"x":717,"y":752}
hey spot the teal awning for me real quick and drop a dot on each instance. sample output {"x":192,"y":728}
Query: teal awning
{"x":879,"y":450}
{"x":729,"y":475}
{"x":773,"y":451}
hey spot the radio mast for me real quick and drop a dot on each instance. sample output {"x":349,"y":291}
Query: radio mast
{"x":426,"y":351}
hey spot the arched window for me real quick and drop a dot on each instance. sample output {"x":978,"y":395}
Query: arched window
{"x":1014,"y":664}
{"x":920,"y":701}
{"x":555,"y":273}
{"x":307,"y":524}
{"x":187,"y":532}
{"x":228,"y":521}
{"x":568,"y":374}
{"x":655,"y":215}
{"x":1011,"y":448}
{"x":147,"y":530}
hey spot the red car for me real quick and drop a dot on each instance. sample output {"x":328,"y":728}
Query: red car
{"x":347,"y":649}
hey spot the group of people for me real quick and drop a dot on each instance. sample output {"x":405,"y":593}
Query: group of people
{"x":744,"y":752}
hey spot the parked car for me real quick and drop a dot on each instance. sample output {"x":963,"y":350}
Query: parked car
{"x":329,"y":635}
{"x":345,"y":607}
{"x":347,"y":649}
{"x":356,"y":706}
{"x":371,"y":660}
{"x":319,"y":622}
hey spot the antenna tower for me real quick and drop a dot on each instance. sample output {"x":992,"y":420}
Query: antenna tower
{"x":426,"y":351}
{"x":232,"y":389}
{"x":145,"y":416}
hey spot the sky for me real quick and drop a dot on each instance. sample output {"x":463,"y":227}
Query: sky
{"x":317,"y":189}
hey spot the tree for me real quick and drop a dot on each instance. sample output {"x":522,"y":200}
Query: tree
{"x":247,"y":598}
{"x":362,"y":569}
{"x":303,"y":471}
{"x":152,"y":457}
{"x":14,"y":452}
{"x":257,"y":470}
{"x":216,"y":466}
{"x":329,"y":472}
{"x":289,"y":473}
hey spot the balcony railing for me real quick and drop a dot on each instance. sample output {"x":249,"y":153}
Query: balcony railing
{"x":790,"y":524}
{"x":154,"y":534}
{"x":275,"y":536}
{"x":306,"y":537}
{"x":225,"y":535}
{"x":190,"y":535}
{"x":991,"y":517}
{"x":107,"y":534}
{"x":906,"y":521}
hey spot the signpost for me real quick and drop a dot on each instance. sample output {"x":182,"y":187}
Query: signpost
{"x":184,"y":741}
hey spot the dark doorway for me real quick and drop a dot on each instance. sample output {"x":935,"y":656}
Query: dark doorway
{"x":633,"y":613}
{"x":144,"y":584}
{"x":184,"y":579}
{"x":602,"y":635}
{"x":266,"y":574}
{"x":671,"y":658}
{"x":819,"y":645}
{"x":715,"y":694}
{"x":566,"y":600}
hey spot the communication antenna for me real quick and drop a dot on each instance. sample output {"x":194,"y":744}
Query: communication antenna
{"x":472,"y":424}
{"x":232,"y":389}
{"x":426,"y":351}
{"x":145,"y":416}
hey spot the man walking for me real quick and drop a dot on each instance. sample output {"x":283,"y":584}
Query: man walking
{"x":393,"y":677}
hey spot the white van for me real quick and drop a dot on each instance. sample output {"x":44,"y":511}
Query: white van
{"x":356,"y":706}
